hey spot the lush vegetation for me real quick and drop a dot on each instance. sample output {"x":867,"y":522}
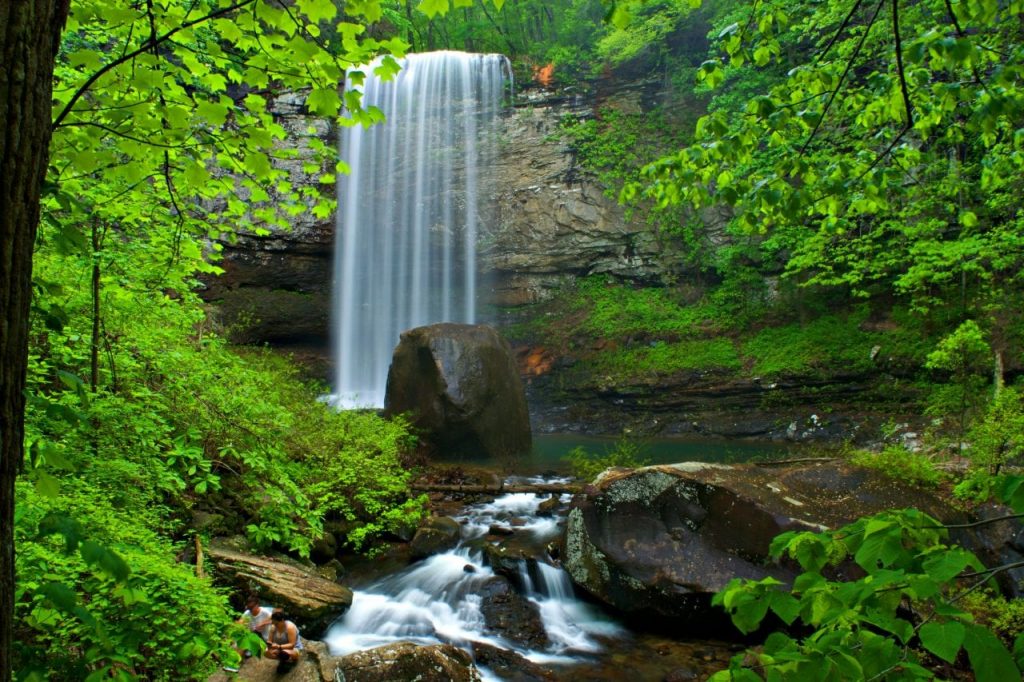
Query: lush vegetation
{"x":868,"y":158}
{"x":140,"y":418}
{"x":906,"y":607}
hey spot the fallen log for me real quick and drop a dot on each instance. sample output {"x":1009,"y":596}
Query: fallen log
{"x":499,"y":489}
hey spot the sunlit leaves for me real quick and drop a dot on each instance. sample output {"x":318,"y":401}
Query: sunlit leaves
{"x":858,"y":627}
{"x":828,"y":152}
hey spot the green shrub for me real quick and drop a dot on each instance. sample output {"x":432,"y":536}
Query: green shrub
{"x":659,"y":358}
{"x":915,"y":468}
{"x":831,"y":342}
{"x":627,"y":452}
{"x":132,"y":611}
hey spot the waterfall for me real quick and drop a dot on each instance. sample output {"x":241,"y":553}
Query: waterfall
{"x":409,"y":210}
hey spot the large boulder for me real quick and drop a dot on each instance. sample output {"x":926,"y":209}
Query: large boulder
{"x":462,"y":386}
{"x":408,"y":661}
{"x":310,"y":600}
{"x":436,"y":535}
{"x":661,"y":540}
{"x":511,"y":615}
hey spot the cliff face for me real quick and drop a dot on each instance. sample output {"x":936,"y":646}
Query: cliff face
{"x":276,"y":288}
{"x":551,"y":223}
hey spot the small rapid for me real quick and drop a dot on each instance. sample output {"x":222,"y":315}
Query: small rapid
{"x":441,"y":599}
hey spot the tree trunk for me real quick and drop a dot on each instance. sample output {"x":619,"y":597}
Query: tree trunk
{"x":29,"y":36}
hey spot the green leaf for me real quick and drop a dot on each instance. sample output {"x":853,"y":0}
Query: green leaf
{"x":989,"y":658}
{"x":324,"y":101}
{"x":214,"y":112}
{"x":107,"y":560}
{"x":432,"y":8}
{"x":47,"y":485}
{"x":60,"y":595}
{"x":943,"y":639}
{"x":968,"y":219}
{"x":318,"y":10}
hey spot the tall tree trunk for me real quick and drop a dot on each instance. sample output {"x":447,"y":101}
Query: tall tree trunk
{"x":29,"y":36}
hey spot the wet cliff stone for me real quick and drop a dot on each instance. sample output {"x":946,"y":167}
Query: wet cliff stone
{"x":438,"y":534}
{"x":555,"y":222}
{"x":660,"y":540}
{"x":511,"y":615}
{"x":508,"y":665}
{"x":462,"y":386}
{"x":276,"y":282}
{"x":308,"y":599}
{"x":408,"y":661}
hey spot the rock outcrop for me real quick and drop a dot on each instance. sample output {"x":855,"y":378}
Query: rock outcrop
{"x":512,"y":616}
{"x":555,"y":222}
{"x":399,"y":661}
{"x":276,"y":284}
{"x":660,"y":540}
{"x":438,"y":534}
{"x":462,"y":386}
{"x":308,"y":599}
{"x":408,"y":661}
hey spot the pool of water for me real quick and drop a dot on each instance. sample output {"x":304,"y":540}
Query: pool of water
{"x":550,"y":451}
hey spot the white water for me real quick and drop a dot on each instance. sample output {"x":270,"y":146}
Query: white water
{"x":409,"y":210}
{"x":437,"y":600}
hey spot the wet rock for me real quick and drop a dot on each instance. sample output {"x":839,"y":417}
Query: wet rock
{"x":462,"y":386}
{"x":549,"y":506}
{"x":508,"y":665}
{"x":333,"y":570}
{"x":437,"y":535}
{"x":324,"y":549}
{"x":504,"y":559}
{"x":309,"y":599}
{"x":511,"y":615}
{"x":555,"y":222}
{"x":408,"y":661}
{"x":498,"y":529}
{"x":660,"y":540}
{"x":682,"y":674}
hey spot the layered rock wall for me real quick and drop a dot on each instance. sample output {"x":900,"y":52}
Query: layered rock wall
{"x":551,"y":223}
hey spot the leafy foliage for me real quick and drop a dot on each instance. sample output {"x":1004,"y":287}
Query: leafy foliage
{"x":886,"y":161}
{"x":875,"y":626}
{"x":627,"y":452}
{"x":165,"y":137}
{"x":913,"y":468}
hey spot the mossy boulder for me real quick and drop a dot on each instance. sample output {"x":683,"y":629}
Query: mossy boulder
{"x":461,"y":384}
{"x":661,"y":540}
{"x":408,"y":661}
{"x":436,"y":535}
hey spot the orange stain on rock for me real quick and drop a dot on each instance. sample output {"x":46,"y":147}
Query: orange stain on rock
{"x":544,"y":74}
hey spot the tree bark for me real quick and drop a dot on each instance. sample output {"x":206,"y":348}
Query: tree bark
{"x":29,"y":37}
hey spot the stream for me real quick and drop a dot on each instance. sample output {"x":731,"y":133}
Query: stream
{"x":445,"y":599}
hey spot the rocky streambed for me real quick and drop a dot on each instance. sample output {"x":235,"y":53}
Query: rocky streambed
{"x":611,"y":583}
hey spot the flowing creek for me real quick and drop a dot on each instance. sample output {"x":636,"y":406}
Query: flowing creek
{"x":443,"y":599}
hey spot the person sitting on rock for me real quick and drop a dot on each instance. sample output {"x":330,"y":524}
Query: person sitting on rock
{"x":256,"y":618}
{"x":284,"y":642}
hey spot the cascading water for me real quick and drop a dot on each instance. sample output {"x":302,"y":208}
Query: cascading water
{"x":409,"y":210}
{"x":440,"y":599}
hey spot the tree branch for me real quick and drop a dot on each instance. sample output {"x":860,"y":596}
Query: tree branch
{"x":904,"y":90}
{"x":983,"y":522}
{"x":842,"y":79}
{"x":144,"y":47}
